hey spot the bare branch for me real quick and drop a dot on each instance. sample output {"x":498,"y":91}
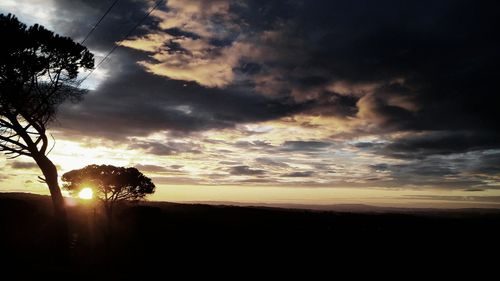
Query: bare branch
{"x":42,"y":180}
{"x":53,"y":145}
{"x":13,"y":157}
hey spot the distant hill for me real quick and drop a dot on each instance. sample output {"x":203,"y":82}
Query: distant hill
{"x":339,"y":208}
{"x":349,"y":208}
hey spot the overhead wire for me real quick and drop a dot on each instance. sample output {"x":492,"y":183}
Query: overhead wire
{"x":99,"y":21}
{"x":123,"y":38}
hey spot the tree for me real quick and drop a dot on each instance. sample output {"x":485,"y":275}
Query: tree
{"x":110,"y":184}
{"x":38,"y":72}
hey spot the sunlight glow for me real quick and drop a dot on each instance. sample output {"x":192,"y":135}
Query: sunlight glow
{"x":86,"y":193}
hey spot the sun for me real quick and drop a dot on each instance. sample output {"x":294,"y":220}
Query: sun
{"x":86,"y":193}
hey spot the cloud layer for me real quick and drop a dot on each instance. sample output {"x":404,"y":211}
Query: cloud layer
{"x":327,"y":93}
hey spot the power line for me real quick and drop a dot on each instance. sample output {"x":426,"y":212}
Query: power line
{"x":124,"y":37}
{"x":99,"y":21}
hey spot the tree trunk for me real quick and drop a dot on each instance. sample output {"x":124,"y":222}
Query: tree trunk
{"x":61,"y":231}
{"x":108,"y":234}
{"x":108,"y":206}
{"x":49,"y":171}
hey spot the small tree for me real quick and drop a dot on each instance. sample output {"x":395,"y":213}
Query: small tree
{"x":111,"y":184}
{"x":38,"y":72}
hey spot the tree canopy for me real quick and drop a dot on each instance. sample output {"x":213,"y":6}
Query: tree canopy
{"x":110,"y":183}
{"x":38,"y":71}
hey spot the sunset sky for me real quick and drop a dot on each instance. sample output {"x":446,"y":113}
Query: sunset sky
{"x":390,"y":103}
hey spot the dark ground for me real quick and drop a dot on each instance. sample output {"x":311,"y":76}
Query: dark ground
{"x":167,"y":237}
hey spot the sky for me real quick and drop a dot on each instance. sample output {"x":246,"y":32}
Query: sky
{"x":391,"y":103}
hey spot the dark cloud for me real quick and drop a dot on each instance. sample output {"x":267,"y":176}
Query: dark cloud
{"x":366,"y":145}
{"x":253,"y":144}
{"x":132,"y":102}
{"x":305,"y":145}
{"x":470,"y":171}
{"x":328,"y":103}
{"x":474,"y":189}
{"x":488,"y":163}
{"x":485,"y":199}
{"x":257,"y":181}
{"x":23,"y":165}
{"x":77,"y":17}
{"x":136,"y":103}
{"x":245,"y":171}
{"x":4,"y":177}
{"x":380,"y":167}
{"x":418,"y":66}
{"x":441,"y":143}
{"x":168,"y":148}
{"x":432,"y":169}
{"x":299,"y":174}
{"x":424,"y":65}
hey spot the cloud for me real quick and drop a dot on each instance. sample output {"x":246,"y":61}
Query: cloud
{"x":441,"y":143}
{"x":380,"y":93}
{"x":195,"y":16}
{"x":4,"y":177}
{"x":77,"y":17}
{"x":30,"y":11}
{"x":380,"y":167}
{"x":468,"y":171}
{"x":366,"y":145}
{"x":354,"y":61}
{"x":257,"y":181}
{"x":271,"y":162}
{"x":23,"y":165}
{"x":488,"y":163}
{"x":199,"y":64}
{"x":305,"y":145}
{"x":156,"y":169}
{"x":132,"y":102}
{"x":169,"y":148}
{"x":321,"y":61}
{"x":245,"y":171}
{"x":305,"y":174}
{"x":474,"y":189}
{"x":174,"y":180}
{"x":483,"y":199}
{"x":193,"y":57}
{"x":253,"y":144}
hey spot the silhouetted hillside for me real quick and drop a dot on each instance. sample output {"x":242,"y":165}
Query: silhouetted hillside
{"x":155,"y":234}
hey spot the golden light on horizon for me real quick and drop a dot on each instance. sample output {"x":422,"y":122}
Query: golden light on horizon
{"x":86,"y":193}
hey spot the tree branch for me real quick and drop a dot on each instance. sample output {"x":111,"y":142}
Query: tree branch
{"x":11,"y":150}
{"x":30,"y":146}
{"x":11,"y":141}
{"x":6,"y":124}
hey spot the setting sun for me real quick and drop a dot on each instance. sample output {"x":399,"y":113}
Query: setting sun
{"x":86,"y":193}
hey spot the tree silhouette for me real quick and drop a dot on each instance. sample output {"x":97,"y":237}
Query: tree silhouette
{"x":110,"y":184}
{"x":38,"y":72}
